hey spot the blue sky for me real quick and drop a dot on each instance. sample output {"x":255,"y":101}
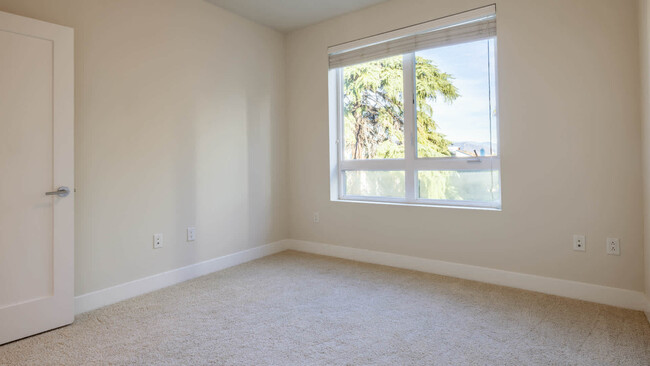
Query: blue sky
{"x":467,"y":118}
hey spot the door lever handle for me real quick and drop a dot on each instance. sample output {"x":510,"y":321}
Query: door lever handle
{"x":61,"y":192}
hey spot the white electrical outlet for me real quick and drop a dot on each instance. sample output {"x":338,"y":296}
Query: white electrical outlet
{"x":316,"y":218}
{"x":191,"y":233}
{"x":579,"y":243}
{"x":157,"y":241}
{"x":613,"y":246}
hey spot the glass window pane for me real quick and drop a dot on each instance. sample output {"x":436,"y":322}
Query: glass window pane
{"x":461,"y":185}
{"x":456,"y":104}
{"x":373,"y":110}
{"x":375,"y":183}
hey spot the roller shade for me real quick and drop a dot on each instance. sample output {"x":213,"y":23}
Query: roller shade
{"x":480,"y":28}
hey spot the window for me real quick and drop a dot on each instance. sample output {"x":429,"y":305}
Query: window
{"x":414,"y":115}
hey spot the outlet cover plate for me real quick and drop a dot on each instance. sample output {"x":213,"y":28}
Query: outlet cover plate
{"x":579,"y":243}
{"x":191,"y":233}
{"x":157,"y":241}
{"x":613,"y":246}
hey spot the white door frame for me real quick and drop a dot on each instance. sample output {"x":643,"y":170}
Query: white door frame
{"x":38,"y":315}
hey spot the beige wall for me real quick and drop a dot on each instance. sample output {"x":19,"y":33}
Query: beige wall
{"x":570,"y":138}
{"x":179,"y":121}
{"x":644,"y":12}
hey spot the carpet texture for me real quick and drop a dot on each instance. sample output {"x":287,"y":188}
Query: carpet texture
{"x":299,"y":309}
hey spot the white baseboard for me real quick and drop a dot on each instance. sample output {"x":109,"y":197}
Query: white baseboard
{"x":578,"y":290}
{"x":623,"y":298}
{"x":111,"y":295}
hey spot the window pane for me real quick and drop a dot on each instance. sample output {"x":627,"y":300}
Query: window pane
{"x":373,"y":110}
{"x":375,"y":183}
{"x":462,"y":185}
{"x":456,"y":104}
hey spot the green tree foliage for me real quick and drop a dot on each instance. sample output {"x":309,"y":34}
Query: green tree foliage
{"x":374,"y":109}
{"x":374,"y":124}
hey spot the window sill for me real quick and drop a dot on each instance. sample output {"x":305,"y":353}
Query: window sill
{"x":416,"y":204}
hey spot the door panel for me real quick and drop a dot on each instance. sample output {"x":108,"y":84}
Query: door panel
{"x":26,"y":155}
{"x":36,"y":156}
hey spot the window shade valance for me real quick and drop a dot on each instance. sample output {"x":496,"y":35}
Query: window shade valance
{"x":465,"y":27}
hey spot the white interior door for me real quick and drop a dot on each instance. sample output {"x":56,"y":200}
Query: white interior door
{"x":36,"y":156}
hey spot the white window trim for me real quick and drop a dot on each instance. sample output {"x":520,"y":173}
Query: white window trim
{"x":411,"y":164}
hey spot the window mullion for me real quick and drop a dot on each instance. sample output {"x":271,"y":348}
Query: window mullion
{"x":409,"y":125}
{"x":340,"y":146}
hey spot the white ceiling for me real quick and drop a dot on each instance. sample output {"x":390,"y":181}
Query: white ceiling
{"x":287,"y":15}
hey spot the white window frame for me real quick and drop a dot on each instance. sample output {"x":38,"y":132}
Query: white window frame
{"x":411,"y":164}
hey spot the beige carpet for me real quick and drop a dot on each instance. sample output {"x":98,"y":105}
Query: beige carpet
{"x":300,"y":309}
